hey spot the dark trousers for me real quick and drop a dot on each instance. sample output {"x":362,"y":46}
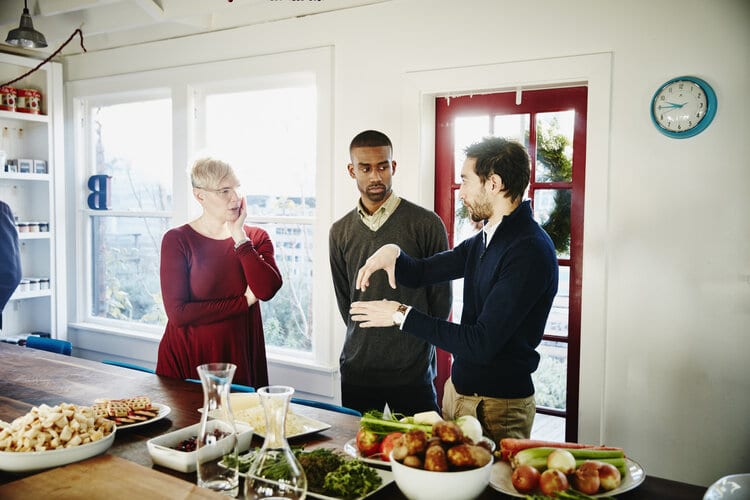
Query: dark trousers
{"x":407,"y":400}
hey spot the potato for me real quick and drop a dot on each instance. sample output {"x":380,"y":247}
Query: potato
{"x":413,"y":461}
{"x":468,"y":456}
{"x":415,"y":441}
{"x":400,"y":451}
{"x":435,"y":459}
{"x":449,"y":432}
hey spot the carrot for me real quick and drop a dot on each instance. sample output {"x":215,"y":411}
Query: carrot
{"x":511,"y":446}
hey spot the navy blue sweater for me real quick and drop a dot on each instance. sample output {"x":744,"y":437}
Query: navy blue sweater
{"x":508,"y":292}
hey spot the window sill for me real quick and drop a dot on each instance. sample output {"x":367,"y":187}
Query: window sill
{"x":114,"y":331}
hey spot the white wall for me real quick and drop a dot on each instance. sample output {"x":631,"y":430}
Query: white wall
{"x":667,"y":241}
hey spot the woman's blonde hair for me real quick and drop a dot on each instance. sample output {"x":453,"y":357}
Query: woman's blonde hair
{"x":210,"y":173}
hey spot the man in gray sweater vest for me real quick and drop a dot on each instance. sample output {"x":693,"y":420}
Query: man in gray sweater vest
{"x":383,"y":365}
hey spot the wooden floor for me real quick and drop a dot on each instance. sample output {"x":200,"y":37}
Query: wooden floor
{"x":548,"y":427}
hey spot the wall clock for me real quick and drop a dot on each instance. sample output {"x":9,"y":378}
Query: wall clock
{"x":683,"y":107}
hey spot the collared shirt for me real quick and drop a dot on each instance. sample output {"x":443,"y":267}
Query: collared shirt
{"x":376,"y":220}
{"x":489,"y":231}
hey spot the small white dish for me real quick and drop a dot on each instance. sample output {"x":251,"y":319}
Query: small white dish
{"x":733,"y":487}
{"x":28,"y":461}
{"x":163,"y":452}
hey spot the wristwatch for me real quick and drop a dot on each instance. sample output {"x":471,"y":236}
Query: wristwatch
{"x":400,"y":315}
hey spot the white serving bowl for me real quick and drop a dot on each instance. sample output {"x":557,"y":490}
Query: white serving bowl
{"x":163,"y":452}
{"x":28,"y":461}
{"x":420,"y":484}
{"x":734,"y":487}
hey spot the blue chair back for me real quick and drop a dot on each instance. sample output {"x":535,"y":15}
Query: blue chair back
{"x":50,"y":345}
{"x":232,"y":387}
{"x":326,"y":406}
{"x":130,"y":366}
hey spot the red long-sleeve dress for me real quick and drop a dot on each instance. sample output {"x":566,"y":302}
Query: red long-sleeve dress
{"x":203,"y":283}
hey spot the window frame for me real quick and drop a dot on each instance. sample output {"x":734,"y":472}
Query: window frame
{"x":181,"y":84}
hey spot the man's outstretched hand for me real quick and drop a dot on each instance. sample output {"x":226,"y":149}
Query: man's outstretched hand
{"x":384,"y":258}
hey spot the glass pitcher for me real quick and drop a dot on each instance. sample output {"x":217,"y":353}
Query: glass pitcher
{"x":275,"y":472}
{"x":217,"y":436}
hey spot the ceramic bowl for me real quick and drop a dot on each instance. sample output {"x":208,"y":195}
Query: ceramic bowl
{"x":27,"y":461}
{"x":734,"y":487}
{"x":163,"y":452}
{"x":420,"y":484}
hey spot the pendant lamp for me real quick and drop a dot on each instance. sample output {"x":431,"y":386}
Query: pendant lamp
{"x":25,"y":35}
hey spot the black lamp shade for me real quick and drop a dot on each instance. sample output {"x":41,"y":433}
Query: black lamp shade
{"x":25,"y":35}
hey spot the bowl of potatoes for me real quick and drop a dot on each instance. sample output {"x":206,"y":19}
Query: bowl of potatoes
{"x":445,"y":465}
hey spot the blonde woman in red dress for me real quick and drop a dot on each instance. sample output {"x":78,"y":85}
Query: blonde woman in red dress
{"x":214,"y":270}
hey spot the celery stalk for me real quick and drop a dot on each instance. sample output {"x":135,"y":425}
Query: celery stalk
{"x":537,"y":457}
{"x":373,"y":421}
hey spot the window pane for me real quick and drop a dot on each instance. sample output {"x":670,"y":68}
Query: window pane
{"x":468,"y":130}
{"x":550,"y":379}
{"x":552,"y":211}
{"x":557,"y":322}
{"x":136,"y":152}
{"x":514,"y":127}
{"x":269,"y":137}
{"x":288,"y":317}
{"x":554,"y":139}
{"x":293,"y":206}
{"x":125,"y":270}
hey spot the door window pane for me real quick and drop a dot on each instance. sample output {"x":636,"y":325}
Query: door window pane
{"x":554,"y":139}
{"x":551,"y":375}
{"x":514,"y":127}
{"x":552,"y":211}
{"x":467,"y":131}
{"x":557,"y":322}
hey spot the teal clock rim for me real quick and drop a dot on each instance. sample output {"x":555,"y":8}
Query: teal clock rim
{"x":711,"y":105}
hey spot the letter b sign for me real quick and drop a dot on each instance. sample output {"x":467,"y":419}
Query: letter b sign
{"x":99,"y":186}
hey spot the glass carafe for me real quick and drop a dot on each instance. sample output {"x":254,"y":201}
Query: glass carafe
{"x":275,"y":472}
{"x":217,"y":436}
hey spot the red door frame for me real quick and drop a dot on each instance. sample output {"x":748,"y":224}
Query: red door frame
{"x":532,"y":102}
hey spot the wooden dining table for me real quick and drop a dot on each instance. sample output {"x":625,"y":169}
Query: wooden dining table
{"x":30,"y":377}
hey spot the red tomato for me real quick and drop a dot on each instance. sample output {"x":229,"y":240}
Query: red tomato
{"x":368,"y":443}
{"x":386,"y":446}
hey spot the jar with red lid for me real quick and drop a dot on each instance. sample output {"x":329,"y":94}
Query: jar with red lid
{"x":7,"y":98}
{"x":29,"y":101}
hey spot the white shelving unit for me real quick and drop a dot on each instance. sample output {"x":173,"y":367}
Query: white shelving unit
{"x":36,"y":197}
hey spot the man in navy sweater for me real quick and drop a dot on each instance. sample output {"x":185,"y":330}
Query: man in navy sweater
{"x":510,"y":280}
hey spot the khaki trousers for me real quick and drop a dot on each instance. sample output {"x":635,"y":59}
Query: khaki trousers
{"x":500,"y":418}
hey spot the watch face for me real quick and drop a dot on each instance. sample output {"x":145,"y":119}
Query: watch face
{"x":683,"y":107}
